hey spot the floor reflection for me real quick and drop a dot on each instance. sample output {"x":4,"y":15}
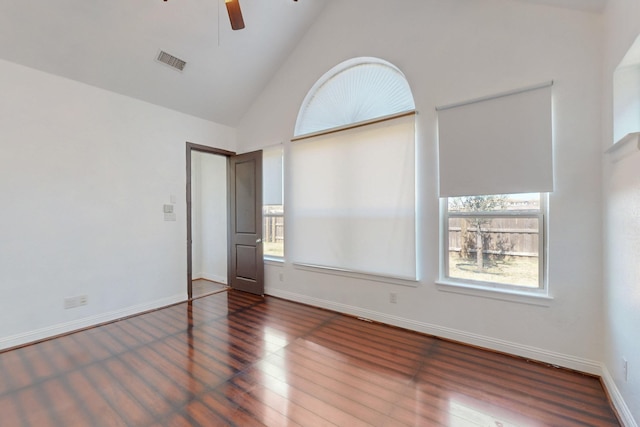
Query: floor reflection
{"x":240,"y":359}
{"x":465,"y":411}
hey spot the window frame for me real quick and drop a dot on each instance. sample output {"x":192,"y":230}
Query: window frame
{"x":269,"y":257}
{"x":484,"y":288}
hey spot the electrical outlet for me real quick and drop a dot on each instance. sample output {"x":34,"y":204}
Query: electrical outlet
{"x":76,"y":301}
{"x":625,"y":369}
{"x":70,"y":302}
{"x":393,"y":298}
{"x":281,"y":277}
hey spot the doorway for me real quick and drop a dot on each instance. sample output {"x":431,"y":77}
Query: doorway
{"x":207,"y":220}
{"x":224,"y":221}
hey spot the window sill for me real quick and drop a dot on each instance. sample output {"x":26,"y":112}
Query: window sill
{"x":627,"y":145}
{"x":274,"y":261}
{"x":357,"y":275}
{"x":521,"y":297}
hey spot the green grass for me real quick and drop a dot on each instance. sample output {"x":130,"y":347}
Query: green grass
{"x":522,"y":271}
{"x":273,"y":249}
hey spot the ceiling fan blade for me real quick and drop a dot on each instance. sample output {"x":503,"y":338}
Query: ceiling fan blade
{"x":235,"y":14}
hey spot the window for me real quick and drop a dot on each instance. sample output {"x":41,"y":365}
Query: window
{"x":352,"y":169}
{"x":272,"y":205}
{"x":626,"y":94}
{"x":495,"y":240}
{"x":495,"y":167}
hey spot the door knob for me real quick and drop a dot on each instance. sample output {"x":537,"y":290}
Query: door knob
{"x":258,"y":240}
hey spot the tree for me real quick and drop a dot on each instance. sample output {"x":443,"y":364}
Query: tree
{"x":475,"y":224}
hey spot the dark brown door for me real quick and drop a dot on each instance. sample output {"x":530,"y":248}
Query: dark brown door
{"x":246,"y":265}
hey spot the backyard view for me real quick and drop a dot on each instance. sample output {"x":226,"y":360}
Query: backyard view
{"x":273,"y":230}
{"x":491,"y":239}
{"x":521,"y":271}
{"x":495,"y":239}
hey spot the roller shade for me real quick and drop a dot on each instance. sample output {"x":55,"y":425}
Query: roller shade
{"x":500,"y":144}
{"x":352,"y":199}
{"x":272,"y":175}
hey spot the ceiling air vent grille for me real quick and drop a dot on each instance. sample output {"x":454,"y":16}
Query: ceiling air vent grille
{"x":171,"y":60}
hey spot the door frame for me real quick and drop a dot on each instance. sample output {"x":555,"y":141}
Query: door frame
{"x":191,"y":147}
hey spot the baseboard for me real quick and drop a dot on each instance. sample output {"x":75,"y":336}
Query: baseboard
{"x":63,"y":328}
{"x":211,"y":278}
{"x":624,"y":413}
{"x":533,"y":353}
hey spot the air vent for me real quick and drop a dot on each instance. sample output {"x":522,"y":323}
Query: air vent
{"x":171,"y":60}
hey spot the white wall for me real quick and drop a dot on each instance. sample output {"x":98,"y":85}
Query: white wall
{"x":84,"y":174}
{"x":209,"y":216}
{"x":621,"y":227}
{"x":453,"y":51}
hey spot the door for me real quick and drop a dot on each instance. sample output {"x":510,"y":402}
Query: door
{"x":246,"y":264}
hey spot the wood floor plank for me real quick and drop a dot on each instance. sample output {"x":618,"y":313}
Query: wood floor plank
{"x":230,"y":412}
{"x":10,"y":412}
{"x":203,"y":416}
{"x":70,"y":410}
{"x":239,"y":397}
{"x":243,"y":360}
{"x":15,"y":374}
{"x":114,"y":391}
{"x":103,"y":414}
{"x":539,"y":386}
{"x":34,"y":411}
{"x":148,"y":396}
{"x":339,"y":397}
{"x":272,"y":394}
{"x":352,"y":370}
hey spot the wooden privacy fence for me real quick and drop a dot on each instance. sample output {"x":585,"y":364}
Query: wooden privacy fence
{"x":500,"y":236}
{"x":273,"y":228}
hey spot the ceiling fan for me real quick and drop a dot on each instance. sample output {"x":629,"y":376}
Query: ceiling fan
{"x":235,"y":14}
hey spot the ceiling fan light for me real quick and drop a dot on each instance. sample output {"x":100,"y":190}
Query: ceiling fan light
{"x":235,"y":14}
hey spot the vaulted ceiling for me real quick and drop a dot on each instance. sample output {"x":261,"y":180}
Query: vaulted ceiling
{"x":113,"y":44}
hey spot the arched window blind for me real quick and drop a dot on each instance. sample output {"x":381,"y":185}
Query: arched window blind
{"x":355,"y":91}
{"x":352,"y":188}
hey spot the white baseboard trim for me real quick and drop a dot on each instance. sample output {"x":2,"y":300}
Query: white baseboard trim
{"x":616,"y":398}
{"x":63,"y":328}
{"x":211,"y":278}
{"x":529,"y":352}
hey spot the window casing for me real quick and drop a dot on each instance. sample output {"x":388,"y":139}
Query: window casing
{"x":509,"y":229}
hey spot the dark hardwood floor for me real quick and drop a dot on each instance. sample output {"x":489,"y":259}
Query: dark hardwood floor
{"x":202,"y":287}
{"x":236,"y":359}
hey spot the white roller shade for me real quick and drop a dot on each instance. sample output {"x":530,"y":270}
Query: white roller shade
{"x":352,"y":201}
{"x":497,"y":145}
{"x":272,"y":175}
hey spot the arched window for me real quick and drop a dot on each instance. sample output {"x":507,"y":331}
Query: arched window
{"x":352,"y":173}
{"x":356,"y":90}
